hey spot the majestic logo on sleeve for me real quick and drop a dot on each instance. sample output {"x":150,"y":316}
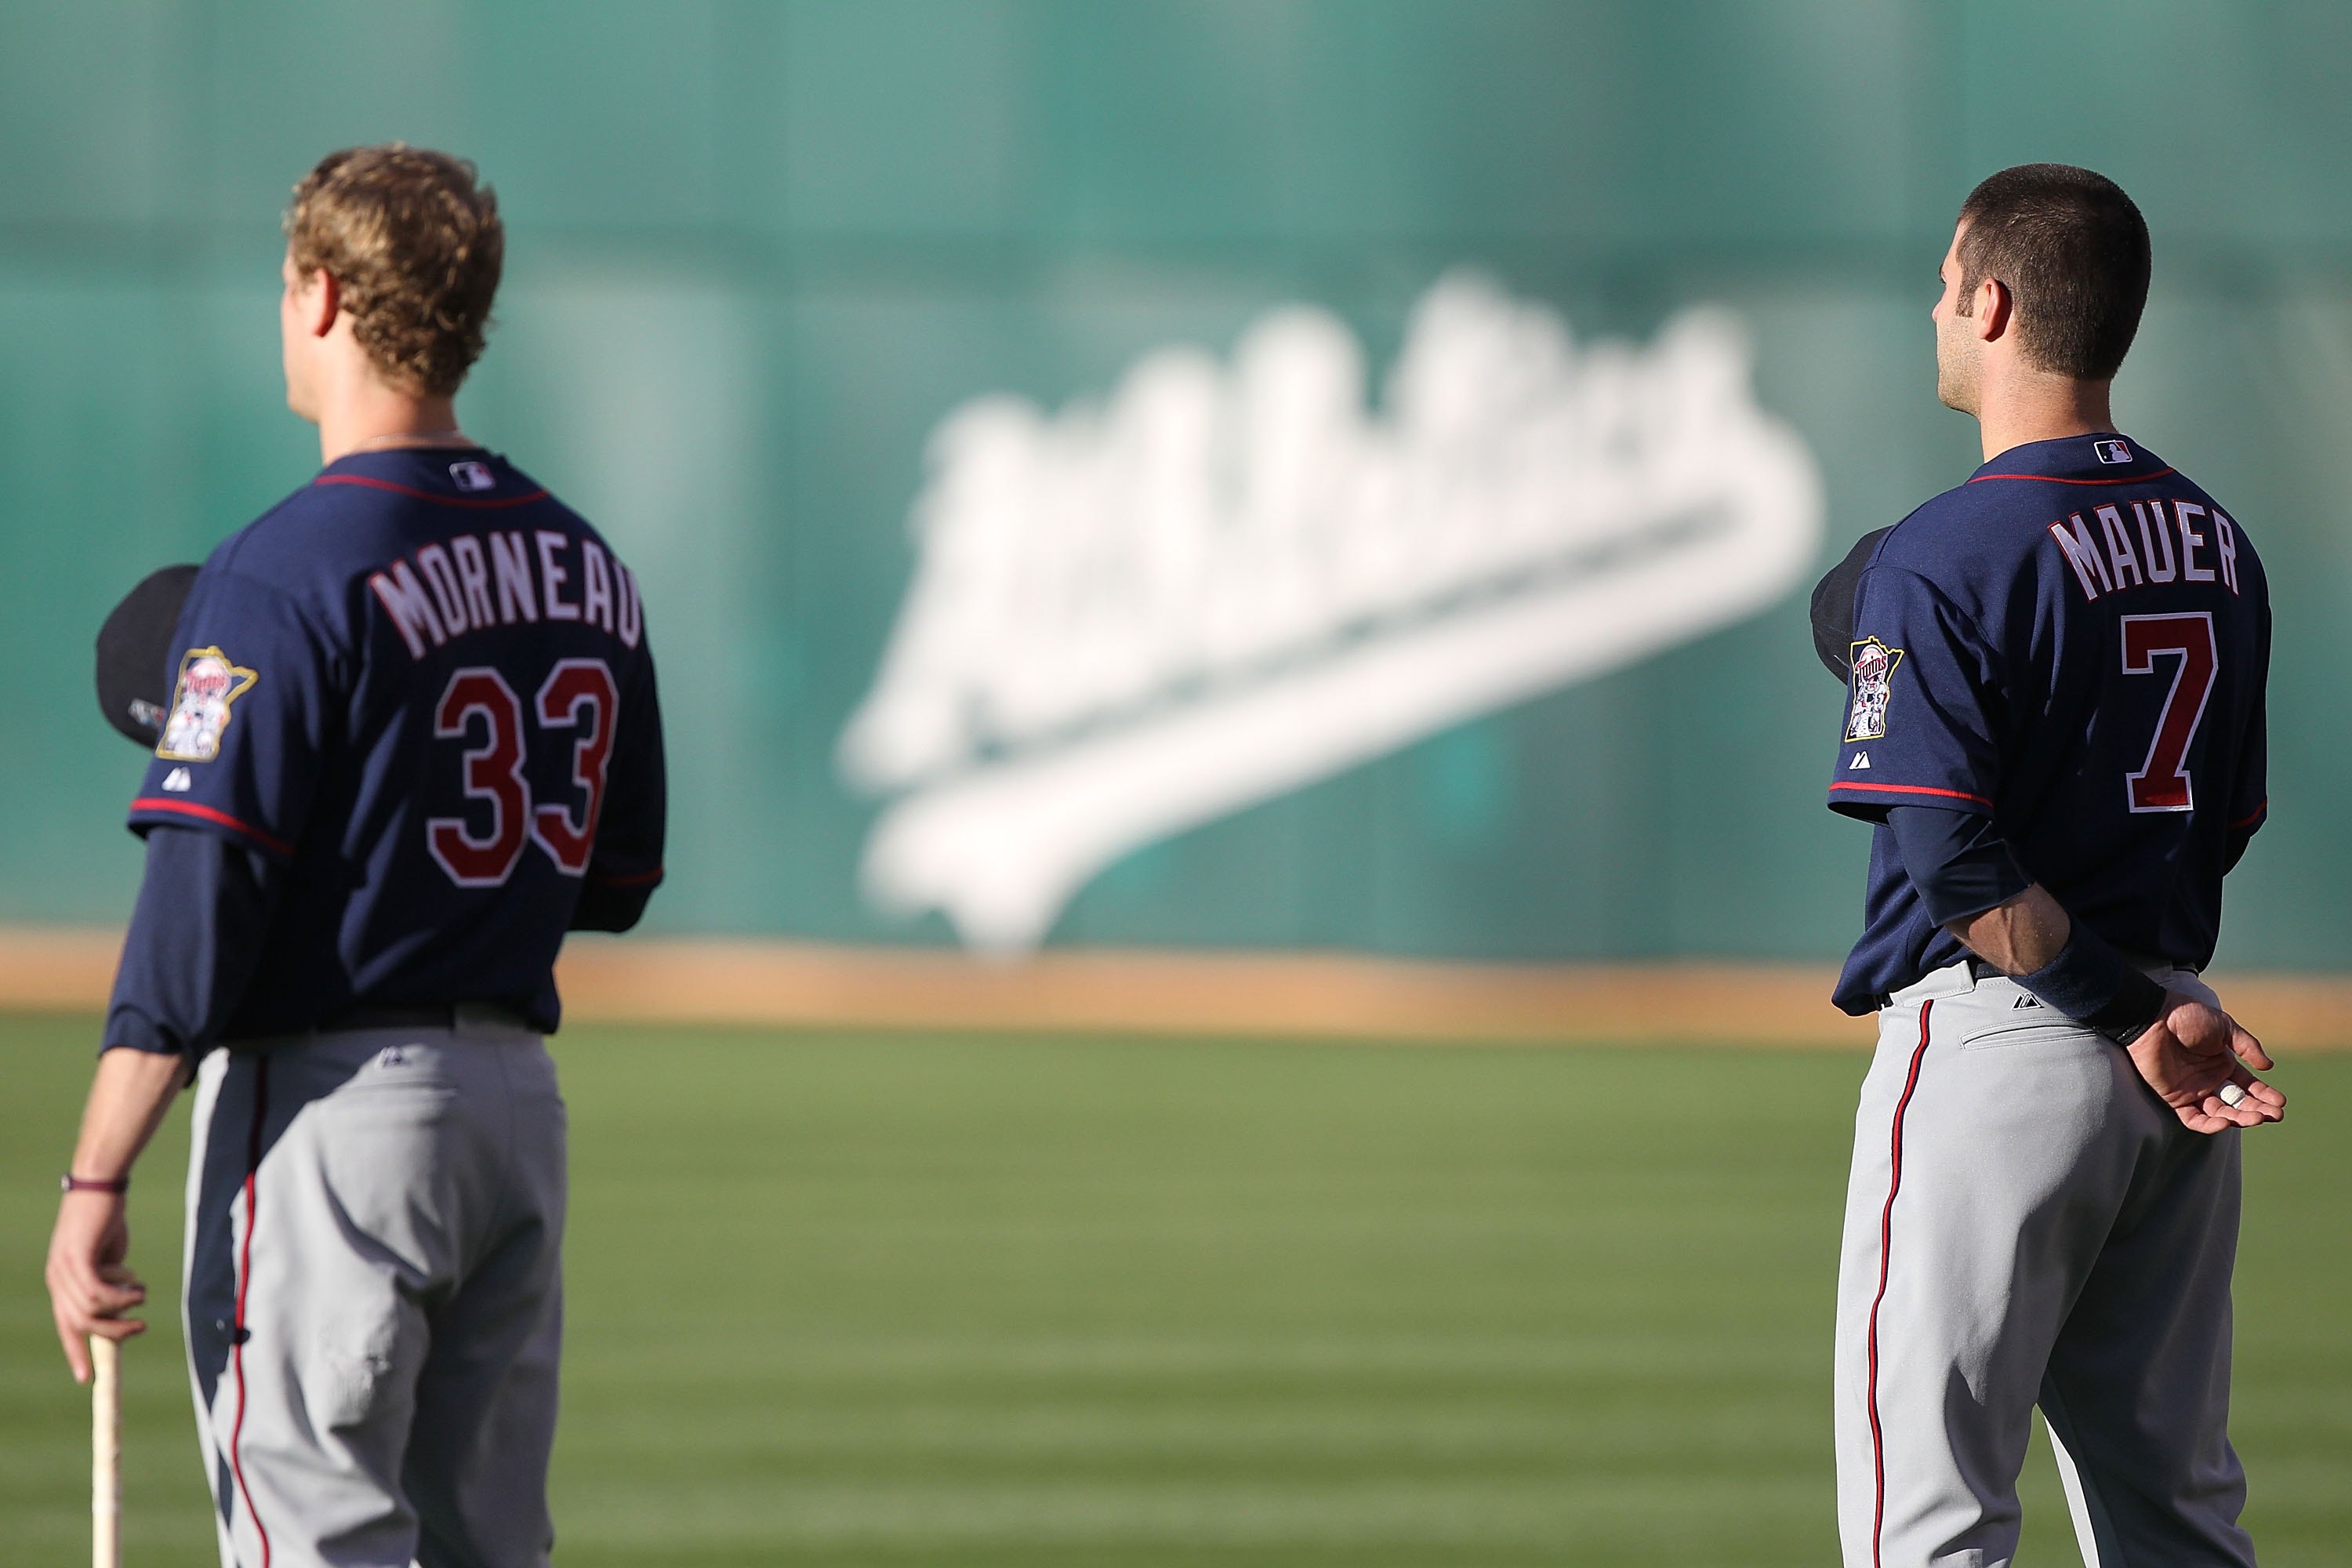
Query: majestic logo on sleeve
{"x":209,"y":682}
{"x":1226,"y":580}
{"x":1874,"y":682}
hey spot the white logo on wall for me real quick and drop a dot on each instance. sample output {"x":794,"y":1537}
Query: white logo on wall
{"x":1227,"y":581}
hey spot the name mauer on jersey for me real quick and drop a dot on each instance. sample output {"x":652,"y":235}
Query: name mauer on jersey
{"x":504,"y":578}
{"x":2170,"y":537}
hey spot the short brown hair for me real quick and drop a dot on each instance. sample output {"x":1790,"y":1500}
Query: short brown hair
{"x":413,"y":239}
{"x":2074,"y":252}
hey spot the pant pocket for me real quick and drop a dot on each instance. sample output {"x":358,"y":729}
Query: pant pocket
{"x":2041,"y":1031}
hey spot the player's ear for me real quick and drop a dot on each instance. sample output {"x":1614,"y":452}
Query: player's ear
{"x":329,"y":304}
{"x":1993,"y":304}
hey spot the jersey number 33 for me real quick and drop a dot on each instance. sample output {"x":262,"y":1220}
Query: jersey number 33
{"x":479,"y":707}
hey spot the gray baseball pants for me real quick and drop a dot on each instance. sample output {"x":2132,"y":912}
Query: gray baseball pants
{"x":373,"y":1297}
{"x":2027,"y":1224}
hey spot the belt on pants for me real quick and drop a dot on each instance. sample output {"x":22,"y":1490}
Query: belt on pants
{"x":437,"y":1016}
{"x":429,"y":1015}
{"x":1984,"y":969}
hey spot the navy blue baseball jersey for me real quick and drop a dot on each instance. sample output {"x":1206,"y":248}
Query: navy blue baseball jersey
{"x":2074,"y":643}
{"x":417,"y":696}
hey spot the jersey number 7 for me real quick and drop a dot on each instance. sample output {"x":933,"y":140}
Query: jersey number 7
{"x":578,"y":694}
{"x":2162,"y":783}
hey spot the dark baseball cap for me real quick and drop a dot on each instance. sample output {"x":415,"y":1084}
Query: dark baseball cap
{"x":1833,"y":606}
{"x":134,"y":654}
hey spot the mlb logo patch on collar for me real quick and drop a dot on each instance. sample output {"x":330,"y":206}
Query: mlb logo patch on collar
{"x":2111,"y":451}
{"x":473,"y":477}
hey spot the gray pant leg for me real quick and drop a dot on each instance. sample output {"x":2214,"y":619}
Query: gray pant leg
{"x":485,"y":1401}
{"x":1990,"y":1160}
{"x":2138,"y":1392}
{"x":347,"y":1188}
{"x":315,"y":1257}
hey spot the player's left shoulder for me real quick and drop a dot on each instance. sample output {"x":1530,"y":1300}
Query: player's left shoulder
{"x":1967,"y":547}
{"x":263,"y":576}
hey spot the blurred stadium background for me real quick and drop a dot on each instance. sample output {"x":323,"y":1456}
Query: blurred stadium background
{"x":802,"y":293}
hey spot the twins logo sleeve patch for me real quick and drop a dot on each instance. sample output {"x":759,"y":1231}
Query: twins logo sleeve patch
{"x":209,"y":682}
{"x":1873,"y":666}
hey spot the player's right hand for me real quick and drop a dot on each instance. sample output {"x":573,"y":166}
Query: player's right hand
{"x":89,"y":1288}
{"x":2190,"y":1052}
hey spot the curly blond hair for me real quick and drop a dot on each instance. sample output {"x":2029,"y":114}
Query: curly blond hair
{"x":413,"y":239}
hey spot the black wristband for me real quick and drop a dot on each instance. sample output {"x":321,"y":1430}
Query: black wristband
{"x":69,"y":1182}
{"x":2138,"y":1002}
{"x":2090,"y":983}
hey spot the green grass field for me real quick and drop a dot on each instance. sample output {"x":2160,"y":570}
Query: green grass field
{"x":844,"y":1299}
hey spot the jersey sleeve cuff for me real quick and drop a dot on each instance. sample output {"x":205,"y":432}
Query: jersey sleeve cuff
{"x":1869,"y":799}
{"x":129,"y":1029}
{"x":162,"y":811}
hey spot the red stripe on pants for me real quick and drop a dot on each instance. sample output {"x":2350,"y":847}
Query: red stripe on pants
{"x":245,"y":1277}
{"x":1885,"y":1244}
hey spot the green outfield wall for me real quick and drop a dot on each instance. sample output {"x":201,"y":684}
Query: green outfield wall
{"x":794,"y":286}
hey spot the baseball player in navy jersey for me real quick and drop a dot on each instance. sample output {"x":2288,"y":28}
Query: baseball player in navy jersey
{"x":2054,"y":721}
{"x":412,"y":740}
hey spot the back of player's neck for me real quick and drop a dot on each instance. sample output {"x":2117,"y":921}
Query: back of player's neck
{"x":2043,"y":408}
{"x":388,"y":422}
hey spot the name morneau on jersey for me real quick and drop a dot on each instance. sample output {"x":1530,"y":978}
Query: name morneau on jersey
{"x":445,"y":590}
{"x":2076,"y":642}
{"x":422,"y":685}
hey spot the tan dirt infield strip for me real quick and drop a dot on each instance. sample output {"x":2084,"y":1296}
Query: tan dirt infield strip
{"x":1187,"y":992}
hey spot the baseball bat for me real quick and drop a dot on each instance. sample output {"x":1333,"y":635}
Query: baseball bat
{"x":105,"y":1453}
